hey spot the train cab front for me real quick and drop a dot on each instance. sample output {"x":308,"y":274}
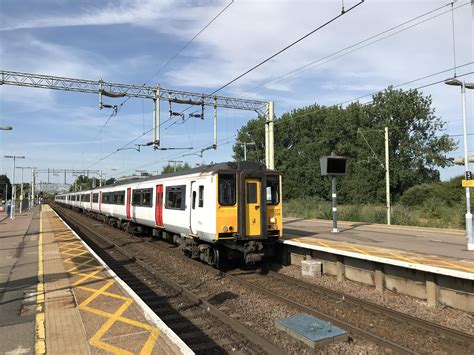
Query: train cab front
{"x":249,"y":211}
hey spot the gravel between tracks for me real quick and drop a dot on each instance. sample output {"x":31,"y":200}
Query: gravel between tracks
{"x":250,"y":308}
{"x":449,"y":317}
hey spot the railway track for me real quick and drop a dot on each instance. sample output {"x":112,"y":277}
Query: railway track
{"x":201,"y":325}
{"x":384,"y":327}
{"x":389,"y":328}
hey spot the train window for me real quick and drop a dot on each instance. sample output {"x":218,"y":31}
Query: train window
{"x":227,"y":189}
{"x":107,"y":197}
{"x":141,"y":197}
{"x":95,"y":198}
{"x":175,"y":197}
{"x":273,"y":190}
{"x":251,"y":192}
{"x":136,"y":197}
{"x":119,"y":198}
{"x":146,"y":197}
{"x":201,"y":196}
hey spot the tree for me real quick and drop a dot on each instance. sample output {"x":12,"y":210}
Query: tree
{"x":110,"y":181}
{"x":5,"y":187}
{"x":303,"y":135}
{"x":81,"y":183}
{"x":171,"y":168}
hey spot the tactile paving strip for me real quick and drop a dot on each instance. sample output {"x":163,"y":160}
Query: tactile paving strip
{"x":113,"y":323}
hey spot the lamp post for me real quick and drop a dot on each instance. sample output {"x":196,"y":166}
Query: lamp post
{"x":464,"y":86}
{"x":245,"y":144}
{"x":14,"y":157}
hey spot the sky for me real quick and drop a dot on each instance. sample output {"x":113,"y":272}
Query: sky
{"x":129,"y":41}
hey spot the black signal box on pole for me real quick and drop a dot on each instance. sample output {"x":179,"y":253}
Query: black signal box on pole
{"x":333,"y":166}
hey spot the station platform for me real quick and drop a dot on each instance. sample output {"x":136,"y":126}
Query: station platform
{"x":57,"y":296}
{"x":394,"y":257}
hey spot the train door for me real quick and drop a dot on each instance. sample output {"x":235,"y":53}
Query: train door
{"x":252,"y":207}
{"x":193,"y":211}
{"x":90,"y":201}
{"x":159,"y":206}
{"x":128,"y":202}
{"x":100,"y":201}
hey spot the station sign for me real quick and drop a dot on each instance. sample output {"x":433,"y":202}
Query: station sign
{"x":468,"y":183}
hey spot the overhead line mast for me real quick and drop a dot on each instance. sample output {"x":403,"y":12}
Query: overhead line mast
{"x":155,"y":93}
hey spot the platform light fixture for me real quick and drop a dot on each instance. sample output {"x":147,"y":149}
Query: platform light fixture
{"x":6,"y":128}
{"x":464,"y":86}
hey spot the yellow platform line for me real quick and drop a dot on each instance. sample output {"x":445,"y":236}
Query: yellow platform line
{"x":385,"y":253}
{"x":40,"y":328}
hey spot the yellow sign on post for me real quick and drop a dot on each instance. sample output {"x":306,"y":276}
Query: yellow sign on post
{"x":468,"y":183}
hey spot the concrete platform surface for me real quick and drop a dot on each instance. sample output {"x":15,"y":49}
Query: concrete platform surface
{"x":434,"y":250}
{"x":73,"y":303}
{"x":18,"y":281}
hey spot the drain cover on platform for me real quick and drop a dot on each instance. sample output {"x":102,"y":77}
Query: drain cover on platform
{"x":311,"y":330}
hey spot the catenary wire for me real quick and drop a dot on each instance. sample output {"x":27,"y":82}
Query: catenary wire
{"x":339,"y":104}
{"x":281,"y":120}
{"x":188,"y":43}
{"x":343,"y":12}
{"x":120,"y":106}
{"x":358,"y":45}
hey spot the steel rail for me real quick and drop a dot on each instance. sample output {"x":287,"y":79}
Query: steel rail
{"x":422,"y":323}
{"x":238,"y":327}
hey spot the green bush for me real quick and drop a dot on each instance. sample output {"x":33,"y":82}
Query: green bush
{"x":449,"y":193}
{"x":433,"y":212}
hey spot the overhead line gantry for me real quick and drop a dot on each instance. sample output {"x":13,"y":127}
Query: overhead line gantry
{"x":155,"y":93}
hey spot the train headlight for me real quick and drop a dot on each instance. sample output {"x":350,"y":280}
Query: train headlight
{"x":273,"y":220}
{"x":224,"y":229}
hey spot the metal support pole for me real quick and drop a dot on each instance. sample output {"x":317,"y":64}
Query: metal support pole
{"x":470,"y":241}
{"x":334,"y":206}
{"x":64,"y":177}
{"x":33,"y":182}
{"x":100,"y":94}
{"x":245,"y":151}
{"x":12,"y":208}
{"x":21,"y":192}
{"x":156,"y":119}
{"x":215,"y":123}
{"x":48,"y":175}
{"x":271,"y":142}
{"x":266,"y":143}
{"x":387,"y":177}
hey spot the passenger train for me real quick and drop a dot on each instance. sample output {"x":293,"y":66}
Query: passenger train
{"x":215,"y":212}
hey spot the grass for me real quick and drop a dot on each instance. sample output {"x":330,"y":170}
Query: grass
{"x":432,"y":213}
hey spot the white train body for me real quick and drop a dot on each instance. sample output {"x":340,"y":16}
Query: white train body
{"x":231,"y":204}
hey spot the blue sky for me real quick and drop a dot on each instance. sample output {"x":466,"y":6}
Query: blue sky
{"x":128,"y":40}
